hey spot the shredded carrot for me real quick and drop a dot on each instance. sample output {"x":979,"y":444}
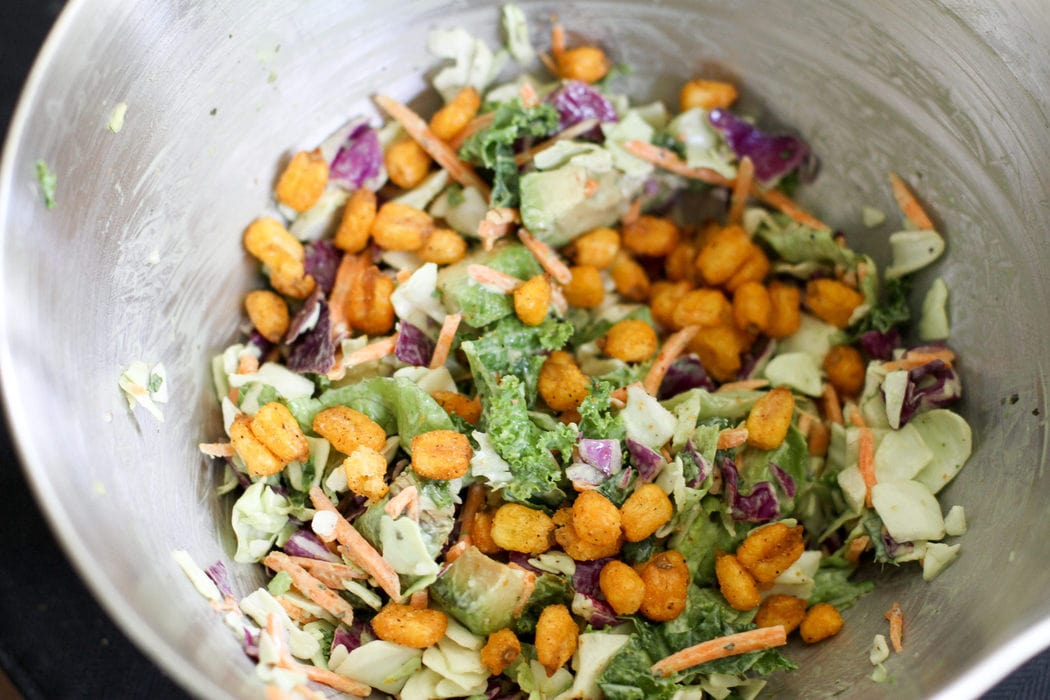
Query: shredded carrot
{"x":311,"y":587}
{"x":818,"y":439}
{"x":491,"y":277}
{"x":455,"y":551}
{"x":247,"y":364}
{"x":832,"y":407}
{"x":590,"y":188}
{"x":234,"y":394}
{"x":274,"y":692}
{"x":482,"y":121}
{"x":855,"y":417}
{"x":295,"y":612}
{"x":419,"y":599}
{"x":216,"y":449}
{"x":373,"y":351}
{"x":619,"y":394}
{"x":444,"y":342}
{"x":403,"y":275}
{"x":406,"y":499}
{"x":743,"y":385}
{"x":330,"y":573}
{"x":547,"y":257}
{"x":633,"y":212}
{"x":497,"y":223}
{"x":569,"y":133}
{"x":913,"y":359}
{"x":549,"y":63}
{"x":720,"y":648}
{"x":909,"y":205}
{"x":349,"y":268}
{"x":745,"y":175}
{"x":528,"y":95}
{"x":471,"y":506}
{"x":782,"y":203}
{"x":896,"y":617}
{"x":866,"y":461}
{"x":673,"y":347}
{"x":856,"y":548}
{"x":805,"y":423}
{"x":357,"y":547}
{"x":732,"y":437}
{"x":557,"y":41}
{"x":308,"y":693}
{"x":440,"y":151}
{"x":669,"y":160}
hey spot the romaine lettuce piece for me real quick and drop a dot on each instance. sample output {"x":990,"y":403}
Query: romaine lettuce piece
{"x":259,"y":516}
{"x":383,"y":665}
{"x":480,"y":305}
{"x":948,"y":436}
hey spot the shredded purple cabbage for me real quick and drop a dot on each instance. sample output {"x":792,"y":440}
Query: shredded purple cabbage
{"x":598,"y":613}
{"x":322,"y":261}
{"x":648,"y":461}
{"x":585,"y":580}
{"x":315,"y":350}
{"x":413,"y":346}
{"x":702,"y":465}
{"x":759,"y":506}
{"x":306,"y":317}
{"x":879,"y":345}
{"x":220,"y":577}
{"x":260,"y":342}
{"x":932,"y":385}
{"x":359,"y":161}
{"x":755,"y":360}
{"x":684,"y":374}
{"x":250,"y":643}
{"x":894,"y":548}
{"x":784,"y":480}
{"x":774,"y":155}
{"x":304,"y":543}
{"x":359,"y":633}
{"x":576,"y":101}
{"x":603,"y":455}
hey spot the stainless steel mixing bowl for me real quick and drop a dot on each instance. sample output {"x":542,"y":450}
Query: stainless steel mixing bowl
{"x":953,"y":94}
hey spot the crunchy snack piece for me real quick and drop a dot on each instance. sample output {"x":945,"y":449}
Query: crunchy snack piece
{"x":481,"y":533}
{"x":410,"y":627}
{"x":784,"y":316}
{"x":532,"y":300}
{"x":631,"y":340}
{"x":500,"y":651}
{"x":585,"y":63}
{"x":586,"y":289}
{"x":644,"y":512}
{"x":274,"y":426}
{"x":270,"y":242}
{"x":268,"y":313}
{"x":302,"y":183}
{"x":770,"y":418}
{"x":629,"y":277}
{"x":597,"y":248}
{"x":737,"y":584}
{"x":665,"y":299}
{"x":719,"y":349}
{"x":368,"y":305}
{"x":666,"y":578}
{"x":595,"y":519}
{"x":821,"y":621}
{"x":751,"y":308}
{"x":575,"y":546}
{"x":723,"y":253}
{"x":681,"y":263}
{"x":561,"y":384}
{"x":518,"y":528}
{"x":290,"y":279}
{"x":443,"y":247}
{"x":406,"y":163}
{"x":365,"y":470}
{"x":754,"y":269}
{"x":845,"y":368}
{"x":456,"y":114}
{"x":785,"y":610}
{"x":355,"y":226}
{"x":348,"y":429}
{"x":441,"y":454}
{"x":706,"y":94}
{"x":768,"y":551}
{"x":650,"y":235}
{"x":469,"y":409}
{"x":556,"y":637}
{"x":622,"y":587}
{"x":703,"y":307}
{"x":401,"y":227}
{"x":256,"y":456}
{"x":832,"y":301}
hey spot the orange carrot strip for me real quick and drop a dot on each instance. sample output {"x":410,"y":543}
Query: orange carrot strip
{"x":781,"y":202}
{"x":329,"y":573}
{"x":443,"y":346}
{"x":456,"y":550}
{"x":349,"y":268}
{"x":247,"y":364}
{"x":526,"y":591}
{"x":472,"y":504}
{"x":491,"y":277}
{"x":913,"y":359}
{"x":909,"y":205}
{"x":482,"y":121}
{"x":440,"y":151}
{"x":295,"y":612}
{"x":720,"y":648}
{"x":357,"y":547}
{"x":528,"y":95}
{"x":805,"y":423}
{"x":745,"y":175}
{"x":732,"y":437}
{"x":673,"y":347}
{"x":569,"y":133}
{"x":275,"y":693}
{"x":308,"y":693}
{"x":419,"y":599}
{"x":557,"y":40}
{"x":406,"y":499}
{"x":403,"y":276}
{"x":896,"y":617}
{"x":866,"y":461}
{"x":558,"y":300}
{"x":311,"y":587}
{"x":832,"y":407}
{"x":548,"y":259}
{"x":856,"y":548}
{"x":373,"y":351}
{"x":216,"y":449}
{"x":497,"y":223}
{"x":633,"y":212}
{"x":744,"y":385}
{"x":619,"y":394}
{"x":669,"y":160}
{"x":819,"y":438}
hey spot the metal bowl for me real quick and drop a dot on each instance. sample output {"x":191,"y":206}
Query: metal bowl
{"x":141,"y":259}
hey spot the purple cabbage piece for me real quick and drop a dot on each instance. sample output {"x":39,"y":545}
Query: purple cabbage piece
{"x":502,"y":688}
{"x":760,"y":506}
{"x":603,"y":455}
{"x":648,"y":461}
{"x":879,"y":345}
{"x":306,"y":317}
{"x":413,"y":346}
{"x":314,"y":351}
{"x":784,"y":480}
{"x":352,"y":637}
{"x":595,"y":611}
{"x":894,"y":548}
{"x":521,"y":559}
{"x":774,"y":155}
{"x":932,"y":385}
{"x":250,"y":643}
{"x":304,"y":543}
{"x":585,"y":580}
{"x":626,"y":477}
{"x":702,"y":465}
{"x":684,"y":374}
{"x":220,"y":577}
{"x":755,"y":360}
{"x":322,"y":261}
{"x":576,"y":101}
{"x":359,"y":161}
{"x":260,"y":342}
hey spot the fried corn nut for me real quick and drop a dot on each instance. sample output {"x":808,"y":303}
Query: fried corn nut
{"x":575,"y":546}
{"x":622,"y":587}
{"x":770,"y":418}
{"x":631,"y":340}
{"x":355,"y":226}
{"x":481,"y":533}
{"x":457,"y":404}
{"x":268,"y":313}
{"x":768,"y":551}
{"x":365,"y":470}
{"x":257,"y":458}
{"x":629,"y":277}
{"x":706,"y":94}
{"x":585,"y":290}
{"x":665,"y":299}
{"x":302,"y":183}
{"x":832,"y":301}
{"x":666,"y":578}
{"x":401,"y":227}
{"x":821,"y":621}
{"x":443,"y":247}
{"x":274,"y":426}
{"x":348,"y":429}
{"x":723,"y":253}
{"x":270,"y":242}
{"x":456,"y":114}
{"x":751,"y":308}
{"x":597,"y":248}
{"x":785,"y":610}
{"x":418,"y":628}
{"x":703,"y":307}
{"x":368,"y":305}
{"x":441,"y":454}
{"x":845,"y":368}
{"x":784,"y":316}
{"x":532,"y":300}
{"x":518,"y":528}
{"x":500,"y":651}
{"x":596,"y":519}
{"x":556,"y":637}
{"x":561,"y":384}
{"x":736,"y":583}
{"x":651,"y":236}
{"x":406,"y":163}
{"x":586,"y":63}
{"x":644,"y":512}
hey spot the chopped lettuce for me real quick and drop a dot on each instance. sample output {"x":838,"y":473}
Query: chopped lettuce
{"x":516,"y":29}
{"x":474,"y":64}
{"x":933,"y":324}
{"x":832,"y":585}
{"x":512,"y":348}
{"x":558,"y":205}
{"x":259,"y":517}
{"x":549,"y":590}
{"x":480,"y":305}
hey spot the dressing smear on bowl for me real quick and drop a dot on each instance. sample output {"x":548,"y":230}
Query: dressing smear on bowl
{"x":510,"y":419}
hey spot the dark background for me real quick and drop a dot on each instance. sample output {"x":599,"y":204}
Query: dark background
{"x":55,"y":641}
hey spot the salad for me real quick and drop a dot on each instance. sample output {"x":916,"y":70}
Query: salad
{"x":556,"y":395}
